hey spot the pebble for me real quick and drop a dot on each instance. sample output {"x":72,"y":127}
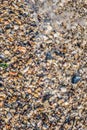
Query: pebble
{"x":1,"y":84}
{"x":75,"y":79}
{"x":57,"y":52}
{"x":2,"y":56}
{"x":63,"y":89}
{"x":46,"y":97}
{"x":48,"y":56}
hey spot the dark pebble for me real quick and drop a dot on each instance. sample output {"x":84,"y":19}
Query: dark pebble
{"x":46,"y":20}
{"x":67,"y":120}
{"x":40,"y":75}
{"x":33,"y":24}
{"x":46,"y":97}
{"x":57,"y":52}
{"x":48,"y":56}
{"x":11,"y":12}
{"x":7,"y":26}
{"x":38,"y":117}
{"x":0,"y":79}
{"x":25,"y":15}
{"x":75,"y":79}
{"x":30,"y":31}
{"x":21,"y":6}
{"x":44,"y":117}
{"x":1,"y":85}
{"x":1,"y":31}
{"x":36,"y":33}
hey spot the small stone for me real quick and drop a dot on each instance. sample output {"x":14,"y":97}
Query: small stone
{"x":48,"y":56}
{"x":1,"y":85}
{"x":59,"y":53}
{"x":45,"y":126}
{"x":75,"y":79}
{"x":2,"y":56}
{"x":46,"y":97}
{"x":0,"y":79}
{"x":8,"y":26}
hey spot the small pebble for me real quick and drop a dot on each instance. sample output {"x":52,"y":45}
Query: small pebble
{"x":57,"y":52}
{"x":46,"y":97}
{"x":75,"y":79}
{"x":63,"y":89}
{"x":2,"y":56}
{"x":7,"y":26}
{"x":48,"y":56}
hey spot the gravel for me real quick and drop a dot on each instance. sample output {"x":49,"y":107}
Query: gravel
{"x":43,"y":64}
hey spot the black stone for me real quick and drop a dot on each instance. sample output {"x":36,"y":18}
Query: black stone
{"x":1,"y":85}
{"x":75,"y":79}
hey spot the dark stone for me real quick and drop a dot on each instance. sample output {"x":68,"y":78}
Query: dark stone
{"x":36,"y":33}
{"x":33,"y":24}
{"x":44,"y":117}
{"x":25,"y":15}
{"x":38,"y":117}
{"x":46,"y":20}
{"x":46,"y":97}
{"x":30,"y":31}
{"x":48,"y":56}
{"x":11,"y":12}
{"x":75,"y":79}
{"x":45,"y":126}
{"x":41,"y":75}
{"x":21,"y":6}
{"x":67,"y":120}
{"x":1,"y":31}
{"x":44,"y":69}
{"x":0,"y":79}
{"x":1,"y":85}
{"x":7,"y":26}
{"x":57,"y":52}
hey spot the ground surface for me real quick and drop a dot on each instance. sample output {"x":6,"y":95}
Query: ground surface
{"x":43,"y":64}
